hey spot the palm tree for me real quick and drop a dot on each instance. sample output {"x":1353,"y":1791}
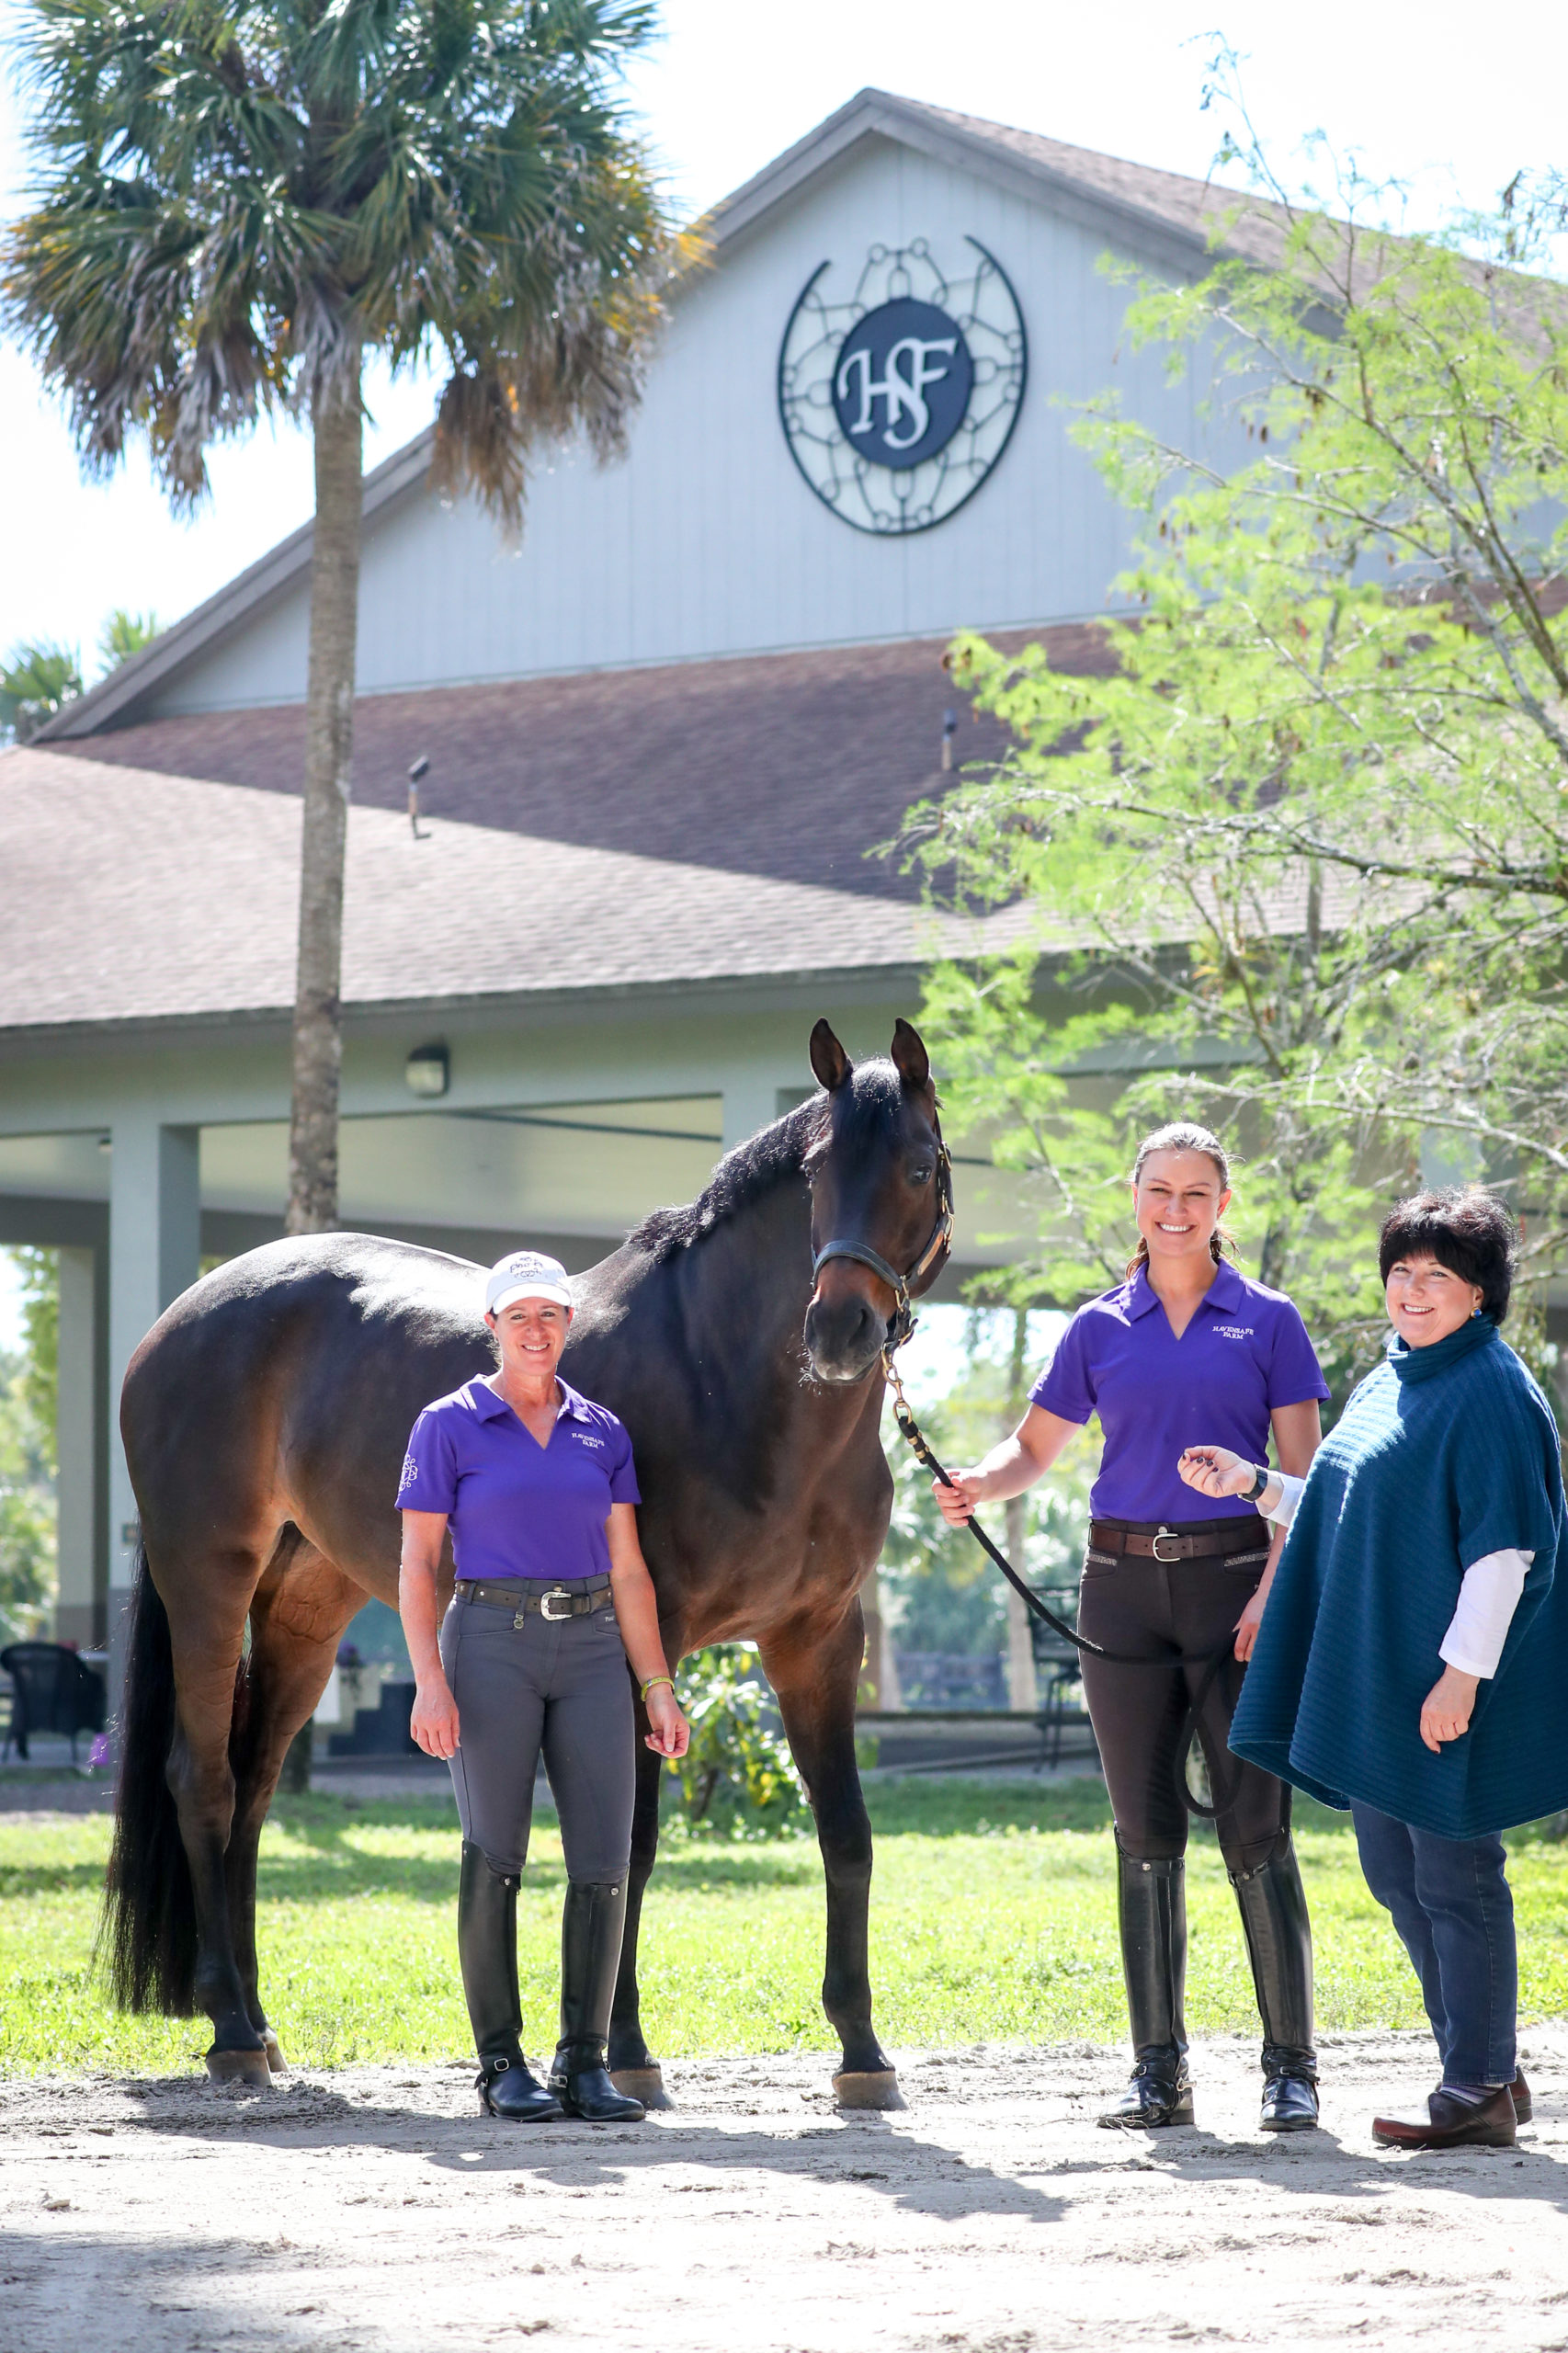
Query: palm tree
{"x":36,"y":681}
{"x":237,"y":202}
{"x":123,"y":634}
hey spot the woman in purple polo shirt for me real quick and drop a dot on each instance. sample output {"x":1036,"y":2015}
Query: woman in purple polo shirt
{"x":1184,"y":1346}
{"x":535,"y":1486}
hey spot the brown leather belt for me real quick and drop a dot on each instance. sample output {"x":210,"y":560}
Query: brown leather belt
{"x":526,"y":1599}
{"x":1169,"y":1544}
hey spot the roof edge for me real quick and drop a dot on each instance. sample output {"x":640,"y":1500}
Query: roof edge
{"x":240,"y":600}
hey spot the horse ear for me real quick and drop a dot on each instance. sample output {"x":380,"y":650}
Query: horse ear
{"x":829,"y":1061}
{"x":910,"y":1058}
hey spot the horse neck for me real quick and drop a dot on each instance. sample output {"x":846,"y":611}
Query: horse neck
{"x":748,"y":1284}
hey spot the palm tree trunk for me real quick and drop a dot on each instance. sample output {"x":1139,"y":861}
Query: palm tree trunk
{"x":329,"y":771}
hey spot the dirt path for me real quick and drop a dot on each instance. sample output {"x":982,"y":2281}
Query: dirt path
{"x":373,"y":2209}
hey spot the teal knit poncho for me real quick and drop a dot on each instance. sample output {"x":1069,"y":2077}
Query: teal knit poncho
{"x":1443,"y":1455}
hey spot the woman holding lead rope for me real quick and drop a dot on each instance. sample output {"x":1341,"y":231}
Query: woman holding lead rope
{"x":1186,"y":1351}
{"x":553,"y":1598}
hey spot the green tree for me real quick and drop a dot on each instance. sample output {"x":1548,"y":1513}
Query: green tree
{"x":1299,"y":863}
{"x":26,"y":1506}
{"x":36,"y":681}
{"x":123,"y":634}
{"x":239,"y":199}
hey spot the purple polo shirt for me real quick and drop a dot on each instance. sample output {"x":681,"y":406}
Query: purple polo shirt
{"x":1245,"y":1352}
{"x":517,"y":1509}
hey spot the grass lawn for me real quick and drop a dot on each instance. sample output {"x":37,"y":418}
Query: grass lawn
{"x":993,"y":1917}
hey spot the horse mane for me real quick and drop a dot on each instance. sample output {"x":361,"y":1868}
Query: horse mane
{"x":871,"y":1100}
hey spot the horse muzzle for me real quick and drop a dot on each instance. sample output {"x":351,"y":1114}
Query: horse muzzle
{"x":844,"y":1337}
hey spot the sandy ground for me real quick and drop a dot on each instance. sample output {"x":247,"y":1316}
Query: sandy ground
{"x":374,"y":2209}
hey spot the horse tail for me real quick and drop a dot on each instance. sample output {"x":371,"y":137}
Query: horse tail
{"x":148,"y":1937}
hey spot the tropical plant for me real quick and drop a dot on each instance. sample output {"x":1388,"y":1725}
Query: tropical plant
{"x":737,"y":1778}
{"x":26,"y":1506}
{"x":123,"y":634}
{"x":1298,"y":861}
{"x":36,"y":681}
{"x":238,"y":199}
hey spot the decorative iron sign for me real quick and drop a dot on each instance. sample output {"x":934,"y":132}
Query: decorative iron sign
{"x":898,"y":398}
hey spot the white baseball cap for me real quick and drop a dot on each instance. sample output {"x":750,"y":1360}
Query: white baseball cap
{"x":527,"y":1274}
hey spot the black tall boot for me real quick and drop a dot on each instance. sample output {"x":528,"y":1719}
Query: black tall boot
{"x":1151,"y":1913}
{"x":1279,"y":1944}
{"x":487,"y":1951}
{"x":591,"y":1927}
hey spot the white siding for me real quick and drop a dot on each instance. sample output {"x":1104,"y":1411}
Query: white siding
{"x":706,"y":541}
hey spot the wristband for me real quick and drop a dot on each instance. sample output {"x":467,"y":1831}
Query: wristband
{"x":652,"y":1683}
{"x":1260,"y":1478}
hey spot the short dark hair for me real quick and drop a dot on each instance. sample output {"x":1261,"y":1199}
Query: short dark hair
{"x":1467,"y":1230}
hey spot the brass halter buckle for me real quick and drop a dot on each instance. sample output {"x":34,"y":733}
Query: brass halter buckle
{"x":1154,"y":1543}
{"x":556,"y":1592}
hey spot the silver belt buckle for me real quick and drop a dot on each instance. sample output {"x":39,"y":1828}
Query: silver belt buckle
{"x":556,"y":1592}
{"x":1155,"y":1543}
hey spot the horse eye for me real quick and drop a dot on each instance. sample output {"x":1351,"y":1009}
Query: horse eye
{"x":921,"y":1173}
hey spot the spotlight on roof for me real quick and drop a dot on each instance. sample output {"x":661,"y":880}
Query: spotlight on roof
{"x":428,"y":1071}
{"x":418,"y":770}
{"x":949,"y":729}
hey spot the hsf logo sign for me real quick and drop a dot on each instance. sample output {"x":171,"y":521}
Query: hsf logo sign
{"x":899,"y":389}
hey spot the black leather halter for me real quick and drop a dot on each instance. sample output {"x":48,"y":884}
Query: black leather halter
{"x":905,"y":1288}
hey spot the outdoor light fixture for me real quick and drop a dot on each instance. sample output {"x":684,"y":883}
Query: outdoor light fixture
{"x":429,"y":1070}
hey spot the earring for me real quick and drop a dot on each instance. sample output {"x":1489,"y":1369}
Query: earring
{"x":1473,"y":1313}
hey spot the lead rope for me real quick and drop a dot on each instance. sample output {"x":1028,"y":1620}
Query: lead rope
{"x":915,"y":1437}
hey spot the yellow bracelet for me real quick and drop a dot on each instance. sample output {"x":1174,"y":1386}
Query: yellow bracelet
{"x":652,"y":1682}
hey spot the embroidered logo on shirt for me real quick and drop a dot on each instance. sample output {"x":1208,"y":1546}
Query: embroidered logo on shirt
{"x":584,"y":1439}
{"x":410,"y":1472}
{"x":1235,"y":1330}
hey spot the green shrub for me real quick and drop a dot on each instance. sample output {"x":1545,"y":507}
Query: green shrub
{"x":738,"y":1779}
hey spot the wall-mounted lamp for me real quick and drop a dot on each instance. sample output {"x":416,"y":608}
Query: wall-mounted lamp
{"x":949,"y":729}
{"x":428,"y":1071}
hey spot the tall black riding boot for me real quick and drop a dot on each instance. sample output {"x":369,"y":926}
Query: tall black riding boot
{"x":1151,"y":1912}
{"x":591,"y":1928}
{"x":487,"y":1951}
{"x":1279,"y":1944}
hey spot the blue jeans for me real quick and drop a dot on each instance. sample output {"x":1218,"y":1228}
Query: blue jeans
{"x":1451,"y":1904}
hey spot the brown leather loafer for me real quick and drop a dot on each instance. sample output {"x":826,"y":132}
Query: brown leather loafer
{"x":1524,"y":2107}
{"x":1451,"y":2123}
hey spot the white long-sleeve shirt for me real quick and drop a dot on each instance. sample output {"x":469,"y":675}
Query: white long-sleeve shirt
{"x":1489,"y":1594}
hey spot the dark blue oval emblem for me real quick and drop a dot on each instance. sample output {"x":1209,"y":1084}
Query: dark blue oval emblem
{"x":902,"y":383}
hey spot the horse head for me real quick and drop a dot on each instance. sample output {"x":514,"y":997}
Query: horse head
{"x":881,"y":1203}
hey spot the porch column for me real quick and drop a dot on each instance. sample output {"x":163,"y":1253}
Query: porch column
{"x":79,"y":1610}
{"x":154,"y":1244}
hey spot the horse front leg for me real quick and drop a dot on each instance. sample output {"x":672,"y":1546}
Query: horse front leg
{"x":815,"y":1676}
{"x":633,"y":2067}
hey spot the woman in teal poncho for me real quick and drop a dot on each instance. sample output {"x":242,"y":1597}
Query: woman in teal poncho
{"x":1413,"y":1656}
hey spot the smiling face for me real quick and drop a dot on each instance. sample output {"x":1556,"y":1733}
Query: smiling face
{"x":531,"y":1334}
{"x":1178,"y":1201}
{"x":1426,"y":1301}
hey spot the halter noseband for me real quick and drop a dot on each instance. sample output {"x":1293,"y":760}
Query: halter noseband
{"x":905,"y":1288}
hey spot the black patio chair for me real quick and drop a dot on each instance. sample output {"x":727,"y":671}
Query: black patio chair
{"x":52,"y":1690}
{"x":1058,"y":1672}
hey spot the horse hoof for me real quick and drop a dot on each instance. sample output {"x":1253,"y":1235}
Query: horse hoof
{"x":869,"y":2090}
{"x":277,"y":2064}
{"x":239,"y":2067}
{"x":646,"y":2084}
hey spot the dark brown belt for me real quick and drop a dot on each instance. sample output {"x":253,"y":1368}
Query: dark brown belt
{"x":1169,"y":1544}
{"x":526,"y":1599}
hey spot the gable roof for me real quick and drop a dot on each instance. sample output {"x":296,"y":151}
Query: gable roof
{"x":789,"y":766}
{"x":1170,"y":218}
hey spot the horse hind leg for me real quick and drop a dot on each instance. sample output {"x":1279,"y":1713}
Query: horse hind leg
{"x":298,"y":1614}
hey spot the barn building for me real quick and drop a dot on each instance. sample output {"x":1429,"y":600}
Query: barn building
{"x":666,"y":741}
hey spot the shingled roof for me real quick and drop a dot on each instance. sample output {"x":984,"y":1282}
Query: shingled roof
{"x":789,"y":766}
{"x":136,"y":897}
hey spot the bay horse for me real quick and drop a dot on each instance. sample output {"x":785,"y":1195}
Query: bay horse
{"x":264,"y":1419}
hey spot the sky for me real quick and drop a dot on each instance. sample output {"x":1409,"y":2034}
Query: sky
{"x":1449,"y":100}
